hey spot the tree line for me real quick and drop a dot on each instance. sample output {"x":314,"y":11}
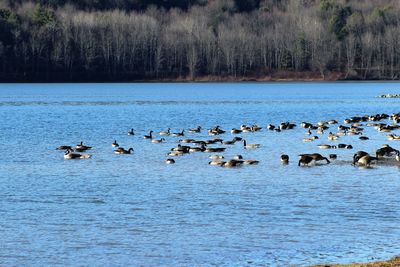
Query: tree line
{"x":127,"y":40}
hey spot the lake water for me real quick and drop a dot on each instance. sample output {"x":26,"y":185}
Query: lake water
{"x":118,"y":210}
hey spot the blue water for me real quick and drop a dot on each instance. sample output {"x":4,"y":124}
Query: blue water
{"x":118,"y":210}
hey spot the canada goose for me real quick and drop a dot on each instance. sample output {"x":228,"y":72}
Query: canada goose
{"x":325,"y":146}
{"x":255,"y":128}
{"x":81,"y":147}
{"x":214,"y":149}
{"x":182,"y":133}
{"x":308,"y":139}
{"x":332,"y":156}
{"x":175,"y":153}
{"x":186,"y":140}
{"x":150,"y":136}
{"x":216,"y":163}
{"x":308,"y":132}
{"x":157,"y":141}
{"x":235,"y":131}
{"x":285,"y":159}
{"x":250,"y":162}
{"x":363,"y":138}
{"x":131,"y":132}
{"x":197,"y":149}
{"x":216,"y":157}
{"x":121,"y":150}
{"x":250,"y":146}
{"x":305,"y":160}
{"x":349,"y":147}
{"x":170,"y":161}
{"x":168,"y":132}
{"x":214,"y":141}
{"x":64,"y":148}
{"x":238,"y":157}
{"x":234,"y":140}
{"x":180,"y":148}
{"x":271,"y":127}
{"x":315,"y":156}
{"x":72,"y":155}
{"x":232,"y":163}
{"x":393,"y":137}
{"x":332,"y":122}
{"x":195,"y":130}
{"x":385,"y":150}
{"x":115,"y":144}
{"x":364,"y":160}
{"x":332,"y":137}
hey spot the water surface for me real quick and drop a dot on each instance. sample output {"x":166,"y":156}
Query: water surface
{"x":136,"y":210}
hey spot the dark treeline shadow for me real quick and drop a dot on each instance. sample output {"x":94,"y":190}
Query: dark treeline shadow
{"x":137,"y":40}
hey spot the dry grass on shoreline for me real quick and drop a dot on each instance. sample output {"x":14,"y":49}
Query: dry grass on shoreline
{"x":395,"y":262}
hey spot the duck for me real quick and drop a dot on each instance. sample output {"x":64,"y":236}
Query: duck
{"x":195,"y":130}
{"x":170,"y":161}
{"x":168,"y":132}
{"x":157,"y":141}
{"x":115,"y":144}
{"x":121,"y":150}
{"x":81,"y":147}
{"x":69,"y":154}
{"x":284,"y":159}
{"x":250,"y":146}
{"x":131,"y":132}
{"x":150,"y":136}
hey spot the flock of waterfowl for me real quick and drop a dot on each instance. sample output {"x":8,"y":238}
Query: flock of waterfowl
{"x":353,"y":126}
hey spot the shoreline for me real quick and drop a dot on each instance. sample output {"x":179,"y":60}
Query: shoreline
{"x":273,"y":77}
{"x":394,"y":262}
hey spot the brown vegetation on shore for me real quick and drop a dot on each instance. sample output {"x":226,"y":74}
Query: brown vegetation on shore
{"x":395,"y":262}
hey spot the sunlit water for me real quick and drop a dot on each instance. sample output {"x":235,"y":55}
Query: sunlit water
{"x":136,"y":210}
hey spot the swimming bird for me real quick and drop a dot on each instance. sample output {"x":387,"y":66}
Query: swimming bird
{"x":232,"y":163}
{"x":64,"y":148}
{"x":81,"y":147}
{"x":216,"y":163}
{"x":115,"y":144}
{"x":131,"y":132}
{"x":149,"y":136}
{"x":157,"y":141}
{"x":364,"y":160}
{"x":182,"y":133}
{"x":121,"y":150}
{"x":238,"y":157}
{"x":285,"y":159}
{"x":216,"y":157}
{"x":250,"y":146}
{"x":170,"y":161}
{"x":168,"y":132}
{"x":332,"y":156}
{"x":69,"y":154}
{"x":195,"y":130}
{"x":305,"y":158}
{"x":250,"y":162}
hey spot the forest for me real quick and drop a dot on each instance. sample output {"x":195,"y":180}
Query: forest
{"x":151,"y":40}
